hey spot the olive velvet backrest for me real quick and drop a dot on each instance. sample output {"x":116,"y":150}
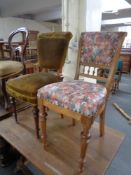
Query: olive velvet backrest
{"x":52,"y":49}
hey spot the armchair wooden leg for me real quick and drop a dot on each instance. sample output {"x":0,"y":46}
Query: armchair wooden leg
{"x":73,"y":120}
{"x":36,"y":119}
{"x":13,"y":104}
{"x":102,"y":123}
{"x":43,"y":119}
{"x":86,"y":123}
{"x":62,"y":116}
{"x":114,"y":88}
{"x":5,"y":95}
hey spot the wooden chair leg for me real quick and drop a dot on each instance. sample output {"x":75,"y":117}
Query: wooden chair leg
{"x":20,"y":164}
{"x":62,"y":116}
{"x":86,"y":123}
{"x":73,"y":122}
{"x":114,"y":87}
{"x":43,"y":119}
{"x":5,"y":95}
{"x":102,"y":123}
{"x":13,"y":104}
{"x":118,"y":84}
{"x":36,"y":119}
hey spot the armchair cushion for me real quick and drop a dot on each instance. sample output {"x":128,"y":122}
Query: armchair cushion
{"x":25,"y":87}
{"x":78,"y":96}
{"x":10,"y":67}
{"x":119,"y":65}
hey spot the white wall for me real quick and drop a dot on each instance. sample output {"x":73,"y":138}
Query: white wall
{"x":127,"y":41}
{"x":53,"y":26}
{"x":93,"y":15}
{"x":7,"y":25}
{"x":79,"y":16}
{"x":110,"y":28}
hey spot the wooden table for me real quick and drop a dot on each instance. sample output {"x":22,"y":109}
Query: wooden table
{"x":62,"y":155}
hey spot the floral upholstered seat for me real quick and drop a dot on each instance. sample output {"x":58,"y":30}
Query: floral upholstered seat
{"x":78,"y":96}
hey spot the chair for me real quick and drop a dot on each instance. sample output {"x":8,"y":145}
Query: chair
{"x":21,"y":51}
{"x":117,"y":76}
{"x":52,"y":50}
{"x":13,"y":67}
{"x":80,"y":100}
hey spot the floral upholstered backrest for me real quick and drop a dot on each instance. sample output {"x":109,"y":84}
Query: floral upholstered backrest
{"x":99,"y":52}
{"x":99,"y":47}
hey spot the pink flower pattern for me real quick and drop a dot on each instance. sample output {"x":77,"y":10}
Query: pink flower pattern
{"x":99,"y":47}
{"x":76,"y":95}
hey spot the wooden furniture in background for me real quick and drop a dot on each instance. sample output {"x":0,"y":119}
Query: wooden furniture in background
{"x":84,"y":101}
{"x":1,"y":50}
{"x":126,"y":57}
{"x":6,"y":48}
{"x":13,"y":67}
{"x":32,"y":44}
{"x":31,"y":49}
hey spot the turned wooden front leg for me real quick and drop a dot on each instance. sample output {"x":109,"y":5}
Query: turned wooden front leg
{"x":62,"y":116}
{"x":86,"y":123}
{"x":13,"y":106}
{"x":43,"y":119}
{"x":5,"y":95}
{"x":102,"y":123}
{"x":73,"y":120}
{"x":36,"y":119}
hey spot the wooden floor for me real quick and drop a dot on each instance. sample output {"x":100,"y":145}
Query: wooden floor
{"x":4,"y":114}
{"x":62,"y":155}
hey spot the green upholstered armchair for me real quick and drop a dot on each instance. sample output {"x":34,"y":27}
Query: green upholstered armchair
{"x":13,"y":67}
{"x":52,"y":49}
{"x":117,"y":76}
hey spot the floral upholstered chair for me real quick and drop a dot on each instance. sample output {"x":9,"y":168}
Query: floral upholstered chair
{"x":52,"y":50}
{"x":13,"y":67}
{"x":80,"y":100}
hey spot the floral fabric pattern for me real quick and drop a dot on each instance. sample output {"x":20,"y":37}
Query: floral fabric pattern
{"x":99,"y":47}
{"x":76,"y":95}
